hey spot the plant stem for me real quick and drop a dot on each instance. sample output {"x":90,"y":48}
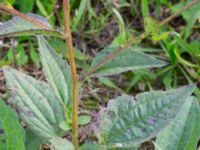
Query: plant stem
{"x":74,"y":73}
{"x":40,"y":24}
{"x":178,"y":12}
{"x":23,"y":16}
{"x":132,"y":41}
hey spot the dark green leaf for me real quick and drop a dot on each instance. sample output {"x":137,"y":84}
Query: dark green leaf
{"x":11,"y":132}
{"x":33,"y":142}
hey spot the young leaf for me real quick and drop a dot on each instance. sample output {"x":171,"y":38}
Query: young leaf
{"x":83,"y":120}
{"x":128,"y":123}
{"x":57,"y":71}
{"x":184,"y":132}
{"x":129,"y":59}
{"x":38,"y":107}
{"x":11,"y":132}
{"x":151,"y":26}
{"x":61,"y":144}
{"x":20,"y":27}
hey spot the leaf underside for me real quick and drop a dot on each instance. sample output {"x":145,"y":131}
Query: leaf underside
{"x":184,"y":132}
{"x":38,"y":107}
{"x":20,"y":27}
{"x":128,"y":123}
{"x":129,"y":59}
{"x":11,"y":132}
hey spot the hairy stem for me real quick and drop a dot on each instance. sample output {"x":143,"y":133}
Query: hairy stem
{"x":23,"y":16}
{"x":43,"y":26}
{"x":74,"y":73}
{"x":132,"y":41}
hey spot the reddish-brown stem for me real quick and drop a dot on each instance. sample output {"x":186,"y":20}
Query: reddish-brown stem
{"x":72,"y":62}
{"x":23,"y":16}
{"x":132,"y":41}
{"x":178,"y":12}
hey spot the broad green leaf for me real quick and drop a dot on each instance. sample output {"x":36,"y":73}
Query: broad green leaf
{"x":33,"y":142}
{"x":11,"y":132}
{"x":57,"y":71}
{"x":38,"y":107}
{"x":61,"y":144}
{"x":20,"y":27}
{"x":184,"y":132}
{"x":129,"y":59}
{"x":128,"y":123}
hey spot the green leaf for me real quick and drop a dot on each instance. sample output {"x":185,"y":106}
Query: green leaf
{"x":20,"y":27}
{"x":41,"y":8}
{"x":57,"y":71}
{"x":33,"y":142}
{"x":83,"y":120}
{"x":26,"y":6}
{"x":11,"y":132}
{"x":21,"y":55}
{"x":92,"y":146}
{"x":38,"y":107}
{"x":129,"y":59}
{"x":60,"y":47}
{"x":34,"y":56}
{"x":61,"y":144}
{"x":126,"y":123}
{"x":184,"y":132}
{"x":191,"y":15}
{"x":145,"y":8}
{"x":65,"y":126}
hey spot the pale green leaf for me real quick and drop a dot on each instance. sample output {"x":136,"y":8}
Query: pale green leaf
{"x":92,"y":146}
{"x":83,"y":120}
{"x":129,"y":59}
{"x":128,"y":123}
{"x":11,"y":132}
{"x":38,"y":107}
{"x":184,"y":132}
{"x":61,"y":144}
{"x":20,"y":27}
{"x":57,"y":71}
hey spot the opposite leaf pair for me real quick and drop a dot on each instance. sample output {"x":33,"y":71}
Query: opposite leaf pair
{"x":41,"y":106}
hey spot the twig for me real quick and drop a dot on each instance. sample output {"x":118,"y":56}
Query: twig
{"x":178,"y":12}
{"x":132,"y":41}
{"x":23,"y":16}
{"x":74,"y":74}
